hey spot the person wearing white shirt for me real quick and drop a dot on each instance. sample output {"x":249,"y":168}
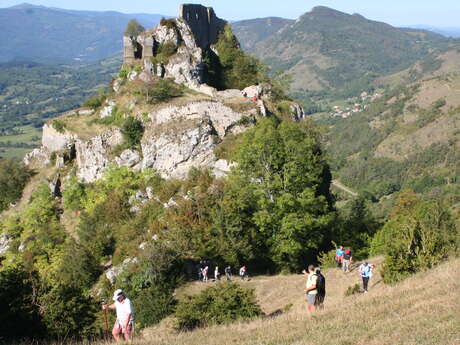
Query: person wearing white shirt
{"x":124,"y":323}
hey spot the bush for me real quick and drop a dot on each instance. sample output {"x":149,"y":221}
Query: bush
{"x":162,"y":91}
{"x":95,"y":102}
{"x":327,"y":259}
{"x":223,"y":303}
{"x":352,"y":290}
{"x":58,"y":125}
{"x":132,"y":131}
{"x":153,"y":304}
{"x":13,"y":178}
{"x":418,"y":236}
{"x":134,"y":29}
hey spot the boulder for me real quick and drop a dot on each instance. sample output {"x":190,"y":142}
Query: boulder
{"x":128,"y":158}
{"x":5,"y":242}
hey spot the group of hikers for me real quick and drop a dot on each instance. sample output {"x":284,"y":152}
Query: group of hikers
{"x":203,"y":272}
{"x":315,"y":289}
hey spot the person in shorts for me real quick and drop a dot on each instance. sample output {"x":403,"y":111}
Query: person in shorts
{"x":310,"y":287}
{"x":123,"y":325}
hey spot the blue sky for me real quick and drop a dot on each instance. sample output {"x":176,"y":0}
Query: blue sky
{"x":443,"y":13}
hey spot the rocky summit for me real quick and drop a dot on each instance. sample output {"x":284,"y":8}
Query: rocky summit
{"x":177,"y":134}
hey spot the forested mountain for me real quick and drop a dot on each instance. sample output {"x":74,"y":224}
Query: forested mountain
{"x":49,"y":35}
{"x":327,"y":50}
{"x":408,"y":138}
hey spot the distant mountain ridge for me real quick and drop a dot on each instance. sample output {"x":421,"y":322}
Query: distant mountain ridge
{"x":43,"y":34}
{"x":327,"y":49}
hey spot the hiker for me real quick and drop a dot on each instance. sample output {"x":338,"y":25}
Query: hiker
{"x":347,"y":260}
{"x":199,"y":268}
{"x":365,"y":270}
{"x":124,"y":323}
{"x":228,"y":273}
{"x":205,"y":274}
{"x":320,"y":288}
{"x":310,"y":289}
{"x":243,"y":272}
{"x":339,"y":256}
{"x":216,"y":274}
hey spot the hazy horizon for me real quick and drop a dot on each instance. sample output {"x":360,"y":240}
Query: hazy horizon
{"x":440,"y":14}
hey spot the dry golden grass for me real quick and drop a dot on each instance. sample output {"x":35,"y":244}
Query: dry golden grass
{"x":422,"y":310}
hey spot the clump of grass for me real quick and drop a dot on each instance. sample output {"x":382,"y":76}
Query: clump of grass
{"x":352,"y":290}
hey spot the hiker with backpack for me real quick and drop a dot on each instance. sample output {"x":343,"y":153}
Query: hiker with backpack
{"x":365,"y":270}
{"x":310,"y":287}
{"x":124,"y":323}
{"x":205,"y":274}
{"x":320,"y":288}
{"x":347,"y":260}
{"x":339,"y":256}
{"x":228,"y":273}
{"x":243,"y":272}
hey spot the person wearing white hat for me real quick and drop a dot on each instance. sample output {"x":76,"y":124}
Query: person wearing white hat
{"x":124,"y":322}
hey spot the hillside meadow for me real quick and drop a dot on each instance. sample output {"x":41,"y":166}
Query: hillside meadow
{"x":422,"y":310}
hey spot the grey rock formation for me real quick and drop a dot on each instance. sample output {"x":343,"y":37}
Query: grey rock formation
{"x":93,"y":155}
{"x":37,"y":158}
{"x":297,"y":112}
{"x":128,"y":158}
{"x":55,"y":186}
{"x":196,"y":29}
{"x":54,"y":141}
{"x":203,"y":23}
{"x":113,"y":272}
{"x":5,"y":242}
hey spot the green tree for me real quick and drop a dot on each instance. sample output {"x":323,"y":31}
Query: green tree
{"x":134,"y":29}
{"x":285,"y":167}
{"x":132,"y":131}
{"x":13,"y":178}
{"x":419,"y":235}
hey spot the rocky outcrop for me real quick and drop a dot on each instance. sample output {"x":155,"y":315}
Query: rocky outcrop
{"x":5,"y":242}
{"x":93,"y":155}
{"x":194,"y":31}
{"x":177,"y":148}
{"x":54,"y":140}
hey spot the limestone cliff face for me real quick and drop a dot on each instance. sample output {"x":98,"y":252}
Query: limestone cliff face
{"x":176,"y":139}
{"x":92,"y":155}
{"x":180,"y":138}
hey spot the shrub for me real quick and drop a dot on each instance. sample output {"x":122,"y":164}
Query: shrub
{"x":223,"y":303}
{"x":352,"y":290}
{"x":95,"y":101}
{"x":162,"y":90}
{"x":418,"y":236}
{"x":153,"y":304}
{"x":58,"y":125}
{"x":13,"y":178}
{"x":132,"y":131}
{"x":134,"y":29}
{"x":123,"y":73}
{"x":327,"y":259}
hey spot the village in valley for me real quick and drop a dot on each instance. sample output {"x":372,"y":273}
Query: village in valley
{"x":355,"y":105}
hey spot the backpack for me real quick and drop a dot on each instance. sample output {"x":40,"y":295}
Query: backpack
{"x":347,"y":254}
{"x":320,"y":283}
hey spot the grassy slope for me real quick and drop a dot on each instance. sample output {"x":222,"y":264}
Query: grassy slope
{"x":422,"y":310}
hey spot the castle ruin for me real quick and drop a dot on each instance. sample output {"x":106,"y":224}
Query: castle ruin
{"x":201,"y":22}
